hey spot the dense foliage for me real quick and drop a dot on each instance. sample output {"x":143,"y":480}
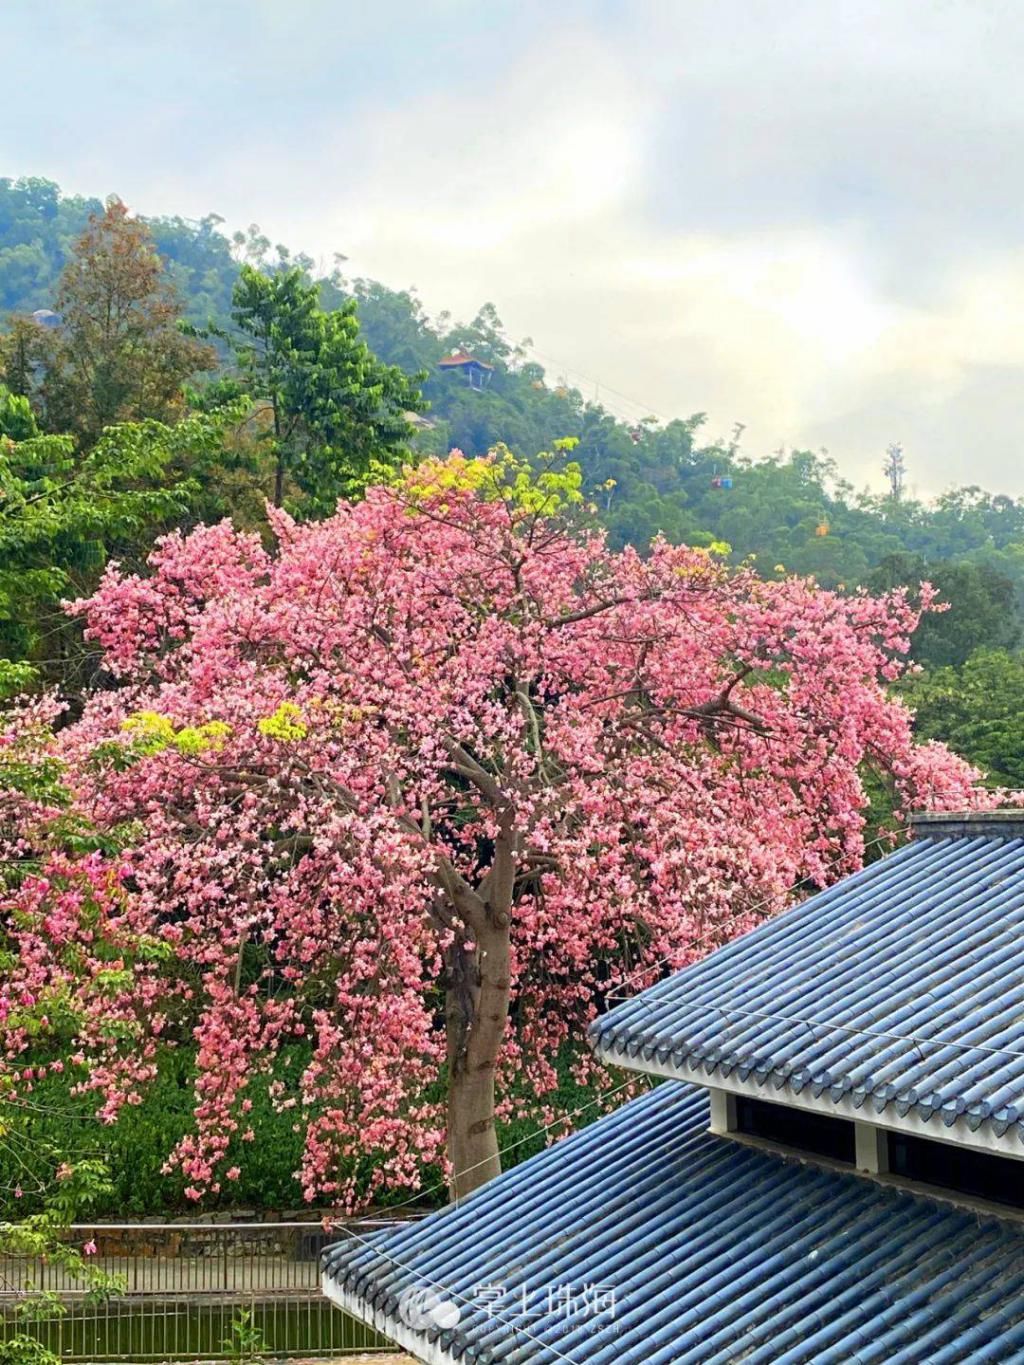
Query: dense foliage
{"x":402,"y":789}
{"x":978,"y":709}
{"x":64,"y":513}
{"x":335,"y":413}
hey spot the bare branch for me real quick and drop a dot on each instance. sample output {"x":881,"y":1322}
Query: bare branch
{"x":585,"y":613}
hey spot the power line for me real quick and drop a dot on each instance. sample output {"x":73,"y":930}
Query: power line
{"x":600,"y":1099}
{"x":455,"y":1294}
{"x":868,"y":1032}
{"x":607,"y":1095}
{"x":715,"y":930}
{"x":511,"y":1147}
{"x":571,"y":370}
{"x":771,"y":1016}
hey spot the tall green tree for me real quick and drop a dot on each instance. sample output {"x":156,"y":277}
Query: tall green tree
{"x":977,"y":709}
{"x":332,"y":408}
{"x":63,"y":514}
{"x":981,"y":607}
{"x":119,"y":353}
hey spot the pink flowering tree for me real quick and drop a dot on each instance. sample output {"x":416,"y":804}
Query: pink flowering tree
{"x":54,"y":955}
{"x":423,"y":784}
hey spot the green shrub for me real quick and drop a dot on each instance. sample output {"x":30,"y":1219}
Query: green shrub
{"x":136,"y":1147}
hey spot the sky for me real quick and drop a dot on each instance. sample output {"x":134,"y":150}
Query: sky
{"x":805,"y":217}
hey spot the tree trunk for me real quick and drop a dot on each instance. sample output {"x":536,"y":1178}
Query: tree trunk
{"x":477,"y":1016}
{"x":278,"y":453}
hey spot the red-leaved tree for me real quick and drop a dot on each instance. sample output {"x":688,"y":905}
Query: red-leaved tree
{"x":422,"y":784}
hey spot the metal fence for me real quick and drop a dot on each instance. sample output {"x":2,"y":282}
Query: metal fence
{"x":191,"y":1292}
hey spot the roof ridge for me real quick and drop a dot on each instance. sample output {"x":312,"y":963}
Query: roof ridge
{"x":971,"y":824}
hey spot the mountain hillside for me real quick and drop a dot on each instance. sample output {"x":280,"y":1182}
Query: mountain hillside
{"x":790,"y":508}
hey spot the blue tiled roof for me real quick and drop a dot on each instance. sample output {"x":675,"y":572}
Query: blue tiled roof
{"x":900,"y":989}
{"x":693,"y":1248}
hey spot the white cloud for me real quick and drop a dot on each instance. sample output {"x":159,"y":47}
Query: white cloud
{"x":804,"y":217}
{"x":533,"y":191}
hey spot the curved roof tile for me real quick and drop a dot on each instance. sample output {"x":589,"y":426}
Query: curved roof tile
{"x":705,"y":1249}
{"x":899,"y":990}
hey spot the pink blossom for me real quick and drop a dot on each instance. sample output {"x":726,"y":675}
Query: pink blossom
{"x":664,"y":748}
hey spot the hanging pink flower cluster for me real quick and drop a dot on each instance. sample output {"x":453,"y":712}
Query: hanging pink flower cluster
{"x":312,"y":757}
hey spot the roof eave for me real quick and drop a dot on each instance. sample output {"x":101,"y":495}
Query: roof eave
{"x":416,"y":1343}
{"x":984,"y":1137}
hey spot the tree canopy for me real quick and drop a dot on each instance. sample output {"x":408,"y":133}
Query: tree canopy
{"x":978,"y":709}
{"x":335,"y":410}
{"x":402,"y":789}
{"x":62,"y":515}
{"x":790,"y":508}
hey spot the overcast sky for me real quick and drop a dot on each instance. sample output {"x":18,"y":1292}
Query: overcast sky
{"x":807,"y":217}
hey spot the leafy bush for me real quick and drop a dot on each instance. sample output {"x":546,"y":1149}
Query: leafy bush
{"x":136,"y":1146}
